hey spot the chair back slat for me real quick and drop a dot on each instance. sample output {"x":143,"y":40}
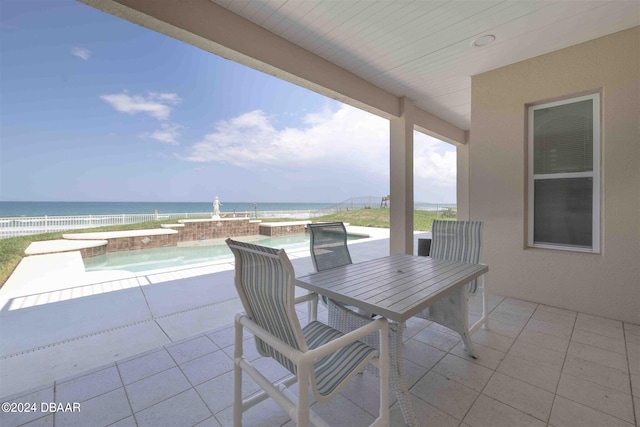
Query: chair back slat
{"x":457,"y":241}
{"x":265,"y":281}
{"x":328,"y":244}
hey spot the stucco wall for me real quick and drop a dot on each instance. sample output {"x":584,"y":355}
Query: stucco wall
{"x":605,"y":284}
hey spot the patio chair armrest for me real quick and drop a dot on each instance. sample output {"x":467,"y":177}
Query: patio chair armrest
{"x":285,"y":349}
{"x":380,"y":324}
{"x":298,"y":357}
{"x":311,"y":296}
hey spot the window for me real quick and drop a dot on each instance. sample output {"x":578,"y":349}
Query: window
{"x":564,"y":174}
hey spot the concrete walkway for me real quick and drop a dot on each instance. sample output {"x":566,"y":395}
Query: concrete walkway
{"x":57,"y":320}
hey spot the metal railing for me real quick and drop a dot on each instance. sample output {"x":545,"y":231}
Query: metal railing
{"x":298,"y":214}
{"x":364,"y":202}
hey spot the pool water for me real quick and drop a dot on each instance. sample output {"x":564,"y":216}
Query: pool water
{"x":188,"y":253}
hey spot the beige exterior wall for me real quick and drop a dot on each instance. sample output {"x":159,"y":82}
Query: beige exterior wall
{"x":605,"y":284}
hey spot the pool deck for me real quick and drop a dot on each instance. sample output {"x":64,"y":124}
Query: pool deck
{"x":57,"y":320}
{"x":61,"y":245}
{"x":105,"y":235}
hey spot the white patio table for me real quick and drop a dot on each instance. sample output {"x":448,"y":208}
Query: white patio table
{"x":397,"y":287}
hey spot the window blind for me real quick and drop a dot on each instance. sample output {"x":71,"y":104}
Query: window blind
{"x":563,"y":138}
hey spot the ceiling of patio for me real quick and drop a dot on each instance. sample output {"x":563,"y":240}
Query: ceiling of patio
{"x":424,"y":49}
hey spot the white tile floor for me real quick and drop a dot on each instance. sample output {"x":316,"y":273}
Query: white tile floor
{"x":57,"y":320}
{"x":537,"y":366}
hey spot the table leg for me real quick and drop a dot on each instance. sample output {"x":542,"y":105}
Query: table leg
{"x":462,"y":323}
{"x":452,"y":311}
{"x":346,"y":320}
{"x":398,"y":379}
{"x":484,"y":320}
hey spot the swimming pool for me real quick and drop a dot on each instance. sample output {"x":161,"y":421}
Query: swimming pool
{"x":188,"y":253}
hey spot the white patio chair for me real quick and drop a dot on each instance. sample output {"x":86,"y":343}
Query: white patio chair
{"x":328,"y":247}
{"x":457,"y":241}
{"x":318,"y":356}
{"x":451,"y":240}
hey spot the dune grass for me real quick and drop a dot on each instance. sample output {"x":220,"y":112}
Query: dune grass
{"x":12,"y":249}
{"x":422,"y":220}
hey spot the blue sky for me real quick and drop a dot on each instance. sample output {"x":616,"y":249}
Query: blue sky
{"x":95,"y":108}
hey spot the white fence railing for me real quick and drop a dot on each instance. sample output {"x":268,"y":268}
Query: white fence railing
{"x":25,"y":225}
{"x":22,"y":226}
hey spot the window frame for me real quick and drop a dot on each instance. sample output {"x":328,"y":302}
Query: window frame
{"x":594,"y":174}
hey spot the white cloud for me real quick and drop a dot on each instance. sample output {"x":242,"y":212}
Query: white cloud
{"x":347,"y":136}
{"x":347,"y":147}
{"x":156,"y":105}
{"x":168,"y":98}
{"x":434,"y":160}
{"x":168,"y":134}
{"x":81,"y":53}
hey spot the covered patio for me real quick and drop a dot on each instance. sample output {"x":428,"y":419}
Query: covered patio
{"x":538,"y":365}
{"x":563,"y":348}
{"x":466,"y":73}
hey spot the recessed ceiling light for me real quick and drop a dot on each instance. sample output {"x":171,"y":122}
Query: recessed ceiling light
{"x":484,"y":40}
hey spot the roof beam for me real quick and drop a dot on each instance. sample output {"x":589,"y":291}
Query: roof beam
{"x":438,"y":128}
{"x":211,"y":27}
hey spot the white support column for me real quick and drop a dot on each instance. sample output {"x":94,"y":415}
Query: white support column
{"x":463,"y":182}
{"x":401,"y":175}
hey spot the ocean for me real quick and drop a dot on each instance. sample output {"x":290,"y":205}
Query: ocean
{"x":13,"y":209}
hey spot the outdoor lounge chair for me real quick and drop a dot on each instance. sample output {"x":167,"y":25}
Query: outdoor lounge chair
{"x":318,"y":356}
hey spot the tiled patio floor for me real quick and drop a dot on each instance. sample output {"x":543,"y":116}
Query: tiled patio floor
{"x":537,"y":366}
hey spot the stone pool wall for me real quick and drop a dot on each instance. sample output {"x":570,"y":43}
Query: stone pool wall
{"x":185,"y":230}
{"x":198,"y":229}
{"x":126,"y":240}
{"x":141,"y":242}
{"x":276,"y":229}
{"x":93,"y":251}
